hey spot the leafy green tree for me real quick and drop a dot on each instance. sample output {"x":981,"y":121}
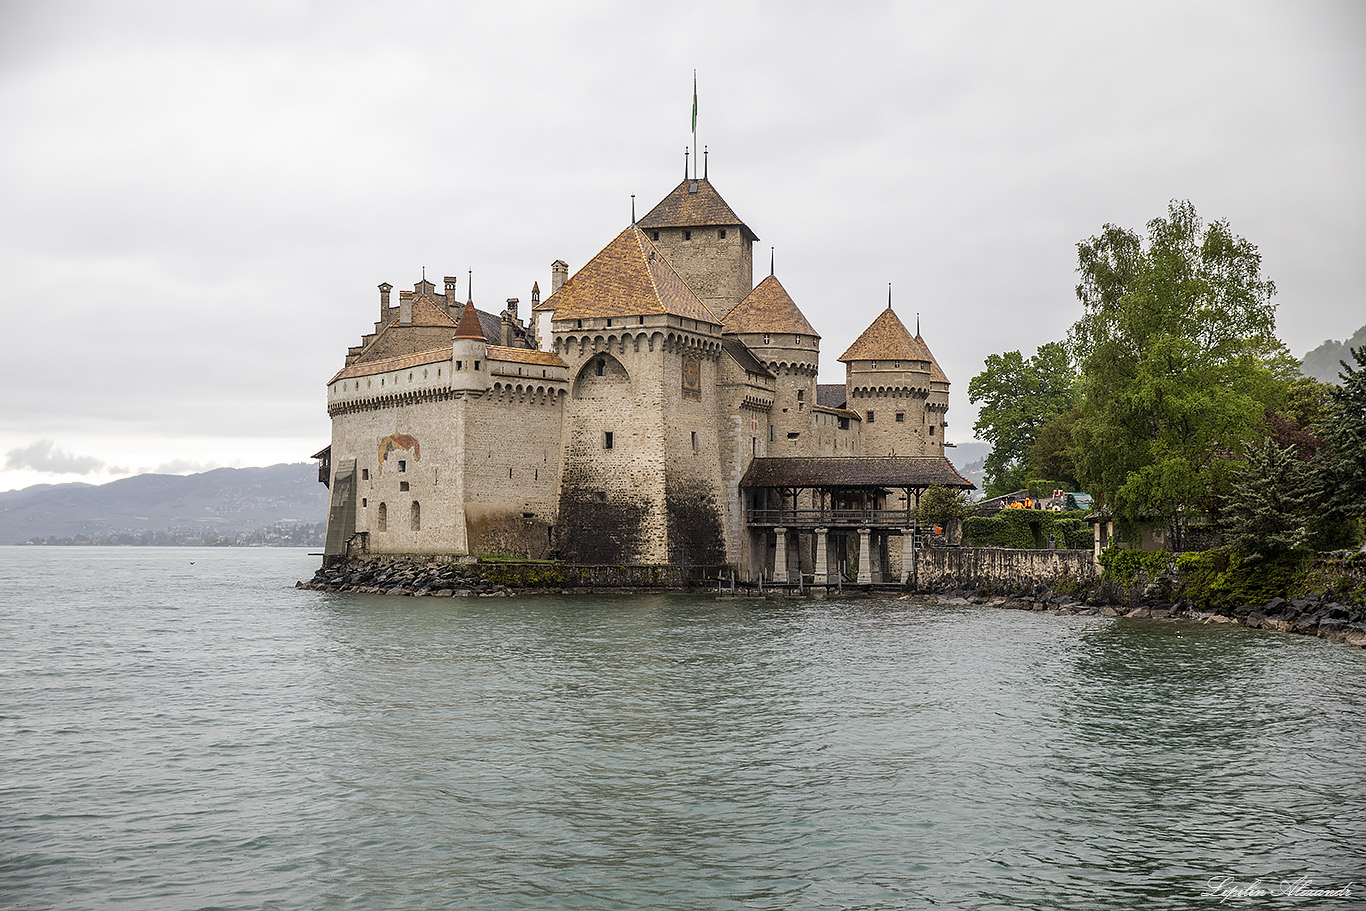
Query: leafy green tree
{"x":1051,"y":455}
{"x":940,"y":505}
{"x":1179,"y":362}
{"x":1018,"y":397}
{"x":1306,"y":401}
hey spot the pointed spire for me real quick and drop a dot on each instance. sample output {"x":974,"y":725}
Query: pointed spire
{"x":685,"y":162}
{"x":469,"y":288}
{"x":770,"y":262}
{"x":633,"y":209}
{"x":889,"y":295}
{"x":917,"y":324}
{"x":469,"y":326}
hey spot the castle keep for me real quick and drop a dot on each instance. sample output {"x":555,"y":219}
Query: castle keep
{"x":656,"y":407}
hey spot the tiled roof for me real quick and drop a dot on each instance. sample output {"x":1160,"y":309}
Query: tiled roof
{"x":887,"y":471}
{"x":744,"y":357}
{"x":384,"y":365}
{"x":767,"y":308}
{"x":842,"y":412}
{"x":427,"y":313}
{"x":693,"y":204}
{"x":525,"y":356}
{"x":831,"y":395}
{"x":470,"y":326}
{"x":628,"y":278}
{"x":885,"y":340}
{"x":937,"y":374}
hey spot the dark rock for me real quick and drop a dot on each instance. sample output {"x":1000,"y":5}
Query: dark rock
{"x":1253,"y":619}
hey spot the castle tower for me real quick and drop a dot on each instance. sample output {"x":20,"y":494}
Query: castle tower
{"x":888,"y":381}
{"x":769,"y":323}
{"x":469,"y":355}
{"x":705,"y":242}
{"x":640,"y":477}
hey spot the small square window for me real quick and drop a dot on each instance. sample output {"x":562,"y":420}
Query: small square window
{"x":694,"y":441}
{"x":402,"y":485}
{"x":365,"y":474}
{"x":364,"y":502}
{"x":870,"y":417}
{"x":900,"y":417}
{"x":654,"y":235}
{"x":602,"y":367}
{"x":402,"y":465}
{"x":687,"y":235}
{"x":607,"y":439}
{"x":801,"y":395}
{"x":722,"y":233}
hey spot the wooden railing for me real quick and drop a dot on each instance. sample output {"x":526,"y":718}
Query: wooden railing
{"x":830,"y":518}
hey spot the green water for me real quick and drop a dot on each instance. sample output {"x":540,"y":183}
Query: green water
{"x":180,"y":728}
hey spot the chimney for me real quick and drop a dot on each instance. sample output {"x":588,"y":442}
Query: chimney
{"x":450,"y":291}
{"x":405,"y":308}
{"x":384,"y":290}
{"x":512,"y":306}
{"x":559,"y":274}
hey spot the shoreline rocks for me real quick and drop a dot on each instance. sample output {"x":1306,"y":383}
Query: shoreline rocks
{"x":417,"y":576}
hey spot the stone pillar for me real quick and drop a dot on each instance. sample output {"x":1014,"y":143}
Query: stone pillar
{"x":865,"y":560}
{"x":907,"y":553}
{"x":780,"y":556}
{"x":822,"y":567}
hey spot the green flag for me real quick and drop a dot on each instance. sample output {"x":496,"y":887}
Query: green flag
{"x":694,"y":101}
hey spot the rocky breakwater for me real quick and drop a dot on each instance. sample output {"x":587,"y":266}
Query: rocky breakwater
{"x":1312,"y":615}
{"x":434,"y":579}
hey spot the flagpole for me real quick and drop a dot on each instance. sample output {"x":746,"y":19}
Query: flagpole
{"x":694,"y":123}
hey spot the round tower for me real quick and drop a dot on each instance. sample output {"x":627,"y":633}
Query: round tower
{"x":888,"y":383}
{"x":469,"y":354}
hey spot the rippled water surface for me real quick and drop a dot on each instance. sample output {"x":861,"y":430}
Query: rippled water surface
{"x":180,"y":728}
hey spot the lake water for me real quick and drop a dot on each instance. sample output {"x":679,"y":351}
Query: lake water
{"x":182,"y":729}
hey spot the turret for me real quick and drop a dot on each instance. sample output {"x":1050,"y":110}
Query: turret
{"x":469,"y":354}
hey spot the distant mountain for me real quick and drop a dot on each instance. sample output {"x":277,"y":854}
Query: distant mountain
{"x":1323,"y":362}
{"x":226,"y":501}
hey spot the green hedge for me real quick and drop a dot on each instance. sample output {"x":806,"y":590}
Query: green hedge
{"x":1221,"y":580}
{"x":1026,"y":529}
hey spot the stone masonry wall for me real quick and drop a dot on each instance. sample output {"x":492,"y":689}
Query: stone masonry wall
{"x":1001,"y":568}
{"x":720,"y":270}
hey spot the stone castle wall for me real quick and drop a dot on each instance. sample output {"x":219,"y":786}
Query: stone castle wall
{"x":720,"y":270}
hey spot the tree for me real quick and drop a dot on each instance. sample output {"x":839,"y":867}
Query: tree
{"x":1344,"y":430}
{"x":1266,"y":512}
{"x":1019,"y":396}
{"x":940,"y":505}
{"x":1179,"y":362}
{"x":1051,"y":455}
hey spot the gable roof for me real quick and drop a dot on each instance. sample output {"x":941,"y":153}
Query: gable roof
{"x":886,"y":340}
{"x":629,"y":277}
{"x":427,"y":313}
{"x":693,"y":204}
{"x":768,"y":308}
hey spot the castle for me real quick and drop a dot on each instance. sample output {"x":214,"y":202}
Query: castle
{"x":656,"y":407}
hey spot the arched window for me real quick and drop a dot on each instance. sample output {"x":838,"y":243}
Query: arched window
{"x":383,"y":517}
{"x":417,"y":516}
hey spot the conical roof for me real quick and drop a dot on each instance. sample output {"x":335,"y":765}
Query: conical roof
{"x":629,"y":277}
{"x":693,"y":204}
{"x":937,"y":374}
{"x":768,"y":308}
{"x":469,"y":327}
{"x":886,"y":340}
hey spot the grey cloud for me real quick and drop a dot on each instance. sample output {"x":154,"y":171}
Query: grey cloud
{"x":44,"y":455}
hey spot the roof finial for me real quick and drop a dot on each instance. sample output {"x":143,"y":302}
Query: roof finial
{"x":889,"y":295}
{"x":685,"y":162}
{"x":424,"y":275}
{"x":633,"y":210}
{"x":704,"y":162}
{"x":917,"y":325}
{"x":469,"y":288}
{"x":770,"y":262}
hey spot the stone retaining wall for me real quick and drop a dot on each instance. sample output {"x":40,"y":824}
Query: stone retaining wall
{"x":1002,"y":569}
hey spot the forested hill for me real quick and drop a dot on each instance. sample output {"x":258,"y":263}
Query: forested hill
{"x":1323,"y":363}
{"x":223,"y":501}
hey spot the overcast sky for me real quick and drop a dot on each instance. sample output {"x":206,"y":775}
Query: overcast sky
{"x":199,"y":199}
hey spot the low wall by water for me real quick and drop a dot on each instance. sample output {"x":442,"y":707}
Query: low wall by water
{"x":1002,"y":569}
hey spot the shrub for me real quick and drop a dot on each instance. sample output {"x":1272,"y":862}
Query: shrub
{"x":1123,"y":566}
